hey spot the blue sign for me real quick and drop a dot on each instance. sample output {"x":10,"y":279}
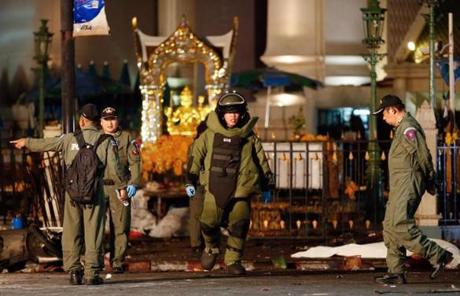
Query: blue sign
{"x":86,"y":10}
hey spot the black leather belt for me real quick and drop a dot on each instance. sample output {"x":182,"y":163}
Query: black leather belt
{"x":109,"y":182}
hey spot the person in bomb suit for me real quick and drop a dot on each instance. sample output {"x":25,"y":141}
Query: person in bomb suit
{"x":233,"y":168}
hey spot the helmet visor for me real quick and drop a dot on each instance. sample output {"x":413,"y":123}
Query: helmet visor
{"x":232,"y":102}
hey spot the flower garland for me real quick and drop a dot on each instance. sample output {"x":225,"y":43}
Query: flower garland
{"x":167,"y":155}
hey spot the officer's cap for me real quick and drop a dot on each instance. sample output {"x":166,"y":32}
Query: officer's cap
{"x":388,"y":101}
{"x":109,"y":113}
{"x":89,"y":111}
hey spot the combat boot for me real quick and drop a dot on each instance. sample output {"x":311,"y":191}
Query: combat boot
{"x":208,"y":259}
{"x":97,"y":280}
{"x":392,"y":279}
{"x":444,"y":260}
{"x":236,"y":269}
{"x":118,"y":269}
{"x":76,"y":277}
{"x":196,"y":252}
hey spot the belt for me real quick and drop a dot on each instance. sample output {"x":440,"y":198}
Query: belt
{"x":109,"y":182}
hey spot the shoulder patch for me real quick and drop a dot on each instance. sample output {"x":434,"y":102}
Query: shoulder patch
{"x":136,"y":148}
{"x":410,"y":133}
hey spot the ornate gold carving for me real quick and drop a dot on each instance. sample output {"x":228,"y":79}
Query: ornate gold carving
{"x":185,"y":119}
{"x":183,"y":46}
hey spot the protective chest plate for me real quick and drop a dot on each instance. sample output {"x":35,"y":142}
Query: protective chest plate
{"x":225,"y":163}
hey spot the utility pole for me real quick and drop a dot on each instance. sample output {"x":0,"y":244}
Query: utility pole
{"x":42,"y":42}
{"x":451,"y":67}
{"x":67,"y":67}
{"x":373,"y":21}
{"x":430,"y":18}
{"x":431,"y":5}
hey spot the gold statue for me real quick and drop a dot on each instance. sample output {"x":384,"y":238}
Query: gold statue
{"x":184,"y":120}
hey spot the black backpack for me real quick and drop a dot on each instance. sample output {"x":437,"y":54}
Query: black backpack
{"x":82,"y":176}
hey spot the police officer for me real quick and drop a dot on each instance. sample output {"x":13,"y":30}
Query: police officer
{"x":119,"y":214}
{"x":234,"y":165}
{"x":411,"y":173}
{"x":83,"y":223}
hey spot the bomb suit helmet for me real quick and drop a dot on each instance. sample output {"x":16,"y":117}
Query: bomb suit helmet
{"x":231,"y":102}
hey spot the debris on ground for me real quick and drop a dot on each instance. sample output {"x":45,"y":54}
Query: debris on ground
{"x":370,"y":251}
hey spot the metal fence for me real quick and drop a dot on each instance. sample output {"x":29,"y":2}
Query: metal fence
{"x":448,"y":177}
{"x":320,"y":189}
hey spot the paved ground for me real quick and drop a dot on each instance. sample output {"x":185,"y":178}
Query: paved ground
{"x":272,"y":272}
{"x":260,"y":254}
{"x":217,"y":283}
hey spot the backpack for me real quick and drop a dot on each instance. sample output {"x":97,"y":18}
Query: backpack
{"x":82,"y":176}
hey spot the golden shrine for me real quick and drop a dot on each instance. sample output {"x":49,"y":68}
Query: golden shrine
{"x":155,"y":53}
{"x":306,"y":169}
{"x":185,"y":119}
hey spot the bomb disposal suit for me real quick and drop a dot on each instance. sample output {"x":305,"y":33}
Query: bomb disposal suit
{"x":232,"y":165}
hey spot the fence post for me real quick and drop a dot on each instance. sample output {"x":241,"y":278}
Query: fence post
{"x":426,"y":215}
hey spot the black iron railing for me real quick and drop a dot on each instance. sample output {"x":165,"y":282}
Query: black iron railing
{"x":320,"y":188}
{"x":448,"y":177}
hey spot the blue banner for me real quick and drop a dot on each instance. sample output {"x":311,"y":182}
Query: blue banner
{"x":443,"y":66}
{"x":89,"y":18}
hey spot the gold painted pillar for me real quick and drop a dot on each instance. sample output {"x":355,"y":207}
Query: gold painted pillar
{"x":151,"y":113}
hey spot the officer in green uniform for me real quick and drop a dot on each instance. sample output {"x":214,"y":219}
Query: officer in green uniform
{"x":120,"y":214}
{"x":411,"y":173}
{"x":232,"y":164}
{"x":82,"y":223}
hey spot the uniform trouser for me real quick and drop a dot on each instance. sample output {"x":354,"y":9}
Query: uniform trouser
{"x":120,"y":222}
{"x":401,"y":233}
{"x":83,"y":225}
{"x":196,"y":207}
{"x":236,"y":215}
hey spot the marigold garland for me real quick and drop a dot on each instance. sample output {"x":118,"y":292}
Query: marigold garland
{"x":167,"y":155}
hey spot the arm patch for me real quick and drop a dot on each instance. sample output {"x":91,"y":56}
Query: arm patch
{"x":410,"y":133}
{"x":136,"y":148}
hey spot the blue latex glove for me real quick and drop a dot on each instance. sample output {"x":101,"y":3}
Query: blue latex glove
{"x":131,"y":190}
{"x":267,"y":196}
{"x":190,"y":190}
